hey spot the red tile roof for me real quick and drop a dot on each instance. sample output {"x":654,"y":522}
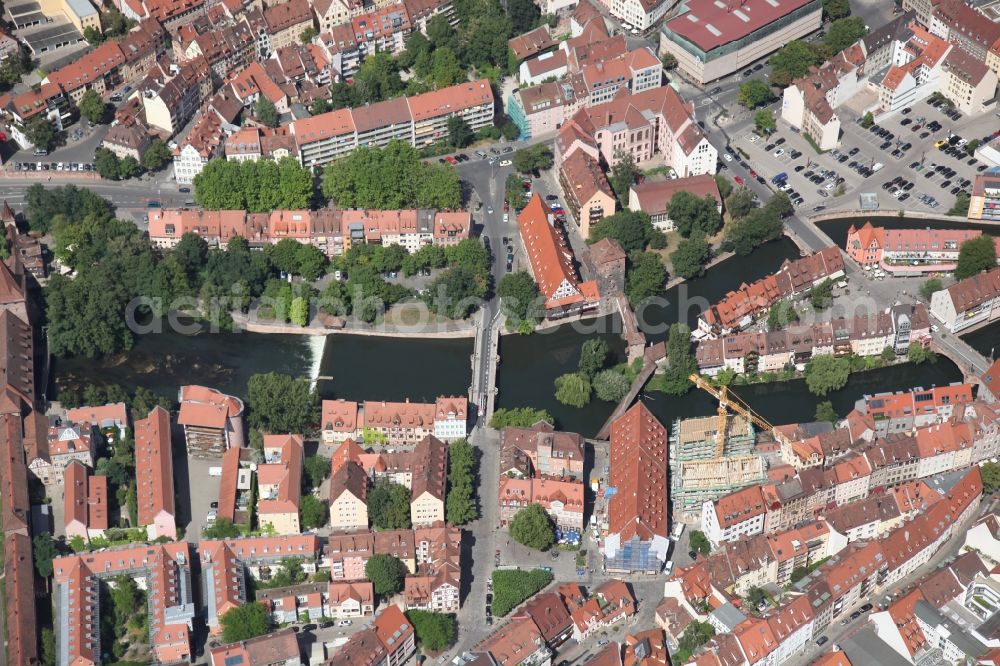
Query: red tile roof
{"x":549,"y":253}
{"x":708,"y":26}
{"x":154,"y":466}
{"x":638,"y":462}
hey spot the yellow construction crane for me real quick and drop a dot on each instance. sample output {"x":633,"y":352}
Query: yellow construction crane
{"x":727,"y":402}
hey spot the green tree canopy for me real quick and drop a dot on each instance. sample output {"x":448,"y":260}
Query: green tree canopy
{"x":644,"y":277}
{"x":764,"y":121}
{"x":156,"y":156}
{"x":689,"y":258}
{"x":792,"y":61}
{"x":280,"y":403}
{"x":781,"y":315}
{"x":44,"y":550}
{"x":107,"y":164}
{"x":527,"y":160}
{"x":623,"y":175}
{"x":316,"y":469}
{"x":512,"y":586}
{"x":836,"y":9}
{"x":266,"y":112}
{"x":220,"y":528}
{"x":930,"y":286}
{"x":844,"y":32}
{"x":245,"y":622}
{"x":519,"y":417}
{"x":681,"y":362}
{"x":610,"y":385}
{"x":391,"y":178}
{"x":460,"y":134}
{"x":699,"y":542}
{"x":386,"y":574}
{"x":313,"y":512}
{"x":991,"y":477}
{"x":532,"y":527}
{"x":827,"y":373}
{"x":975,"y":255}
{"x":692,"y":214}
{"x":256,"y":186}
{"x":435,"y":631}
{"x":573,"y":389}
{"x":460,"y":504}
{"x":40,"y":131}
{"x":92,"y":107}
{"x":631,"y":229}
{"x":519,"y":299}
{"x":754,"y":93}
{"x":593,"y":355}
{"x":389,"y":506}
{"x":826,"y":412}
{"x":917,"y":353}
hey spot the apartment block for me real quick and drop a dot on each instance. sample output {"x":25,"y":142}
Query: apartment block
{"x":734,"y":516}
{"x":418,"y":120}
{"x":389,"y":642}
{"x":984,"y":203}
{"x":279,"y":483}
{"x":586,"y":189}
{"x":154,"y":470}
{"x":907,"y":251}
{"x":85,"y":503}
{"x":212,"y":421}
{"x":969,"y":302}
{"x":968,"y":82}
{"x":280,"y":648}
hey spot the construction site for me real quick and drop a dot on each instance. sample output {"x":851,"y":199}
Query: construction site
{"x":714,"y":455}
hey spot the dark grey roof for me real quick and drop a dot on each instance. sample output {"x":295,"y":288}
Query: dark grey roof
{"x":729,"y":615}
{"x":957,"y":636}
{"x":866,"y":647}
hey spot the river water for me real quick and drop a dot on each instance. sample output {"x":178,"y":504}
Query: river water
{"x":385,"y":368}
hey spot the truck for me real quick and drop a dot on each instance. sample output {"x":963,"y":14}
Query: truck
{"x":215,"y":471}
{"x":677,"y":531}
{"x":780,"y":178}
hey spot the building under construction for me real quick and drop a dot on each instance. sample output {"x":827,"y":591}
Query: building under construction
{"x":713,"y":456}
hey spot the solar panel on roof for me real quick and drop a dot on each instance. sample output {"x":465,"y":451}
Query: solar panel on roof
{"x":232,"y":661}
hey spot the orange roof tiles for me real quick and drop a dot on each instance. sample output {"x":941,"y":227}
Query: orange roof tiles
{"x":206,"y":407}
{"x":740,"y":506}
{"x":638,"y":462}
{"x":550,"y":255}
{"x":154,"y":466}
{"x":449,"y":100}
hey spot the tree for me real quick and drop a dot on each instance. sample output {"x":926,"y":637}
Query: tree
{"x":308,"y":35}
{"x":460,"y":504}
{"x":781,"y":315}
{"x":888,"y":354}
{"x":524,"y":15}
{"x":266,"y":112}
{"x":281,"y":403}
{"x":320,"y":106}
{"x":764,"y":121}
{"x":532,"y":527}
{"x":40,"y":131}
{"x":520,"y":300}
{"x":377,"y":79}
{"x":668,"y":61}
{"x":690,"y":256}
{"x":44,"y":549}
{"x":826,"y":373}
{"x":593,"y":355}
{"x":245,"y":622}
{"x":129,"y":168}
{"x":821,"y":296}
{"x":623,"y":175}
{"x":435,"y":631}
{"x":107,"y":164}
{"x":509,"y":130}
{"x":755,"y":597}
{"x":445,"y":68}
{"x":697,"y":634}
{"x":316,"y":468}
{"x":386,"y":574}
{"x":990,"y":473}
{"x":826,"y":412}
{"x":754,"y":93}
{"x":916,"y":353}
{"x":526,"y":160}
{"x":312,"y":512}
{"x":792,"y":61}
{"x":49,"y":654}
{"x":692,"y":214}
{"x":836,"y":9}
{"x":391,"y":178}
{"x":631,"y":229}
{"x":92,"y":107}
{"x":610,"y":385}
{"x":681,"y":362}
{"x":512,"y":586}
{"x":868,"y":120}
{"x":299,"y":311}
{"x":156,"y":156}
{"x":961,"y":206}
{"x":644,"y":278}
{"x":725,"y":186}
{"x":389,"y":506}
{"x":220,"y":528}
{"x":844,"y":32}
{"x":699,"y":542}
{"x":460,"y":134}
{"x":739,"y":203}
{"x":519,"y":417}
{"x":974,"y":256}
{"x":930,"y":286}
{"x":573,"y":389}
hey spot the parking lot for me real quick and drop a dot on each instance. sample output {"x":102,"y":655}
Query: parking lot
{"x":911,"y":157}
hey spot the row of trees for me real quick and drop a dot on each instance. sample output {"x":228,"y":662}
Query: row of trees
{"x":390,"y":178}
{"x":519,"y":417}
{"x":594,"y":377}
{"x":256,"y":186}
{"x":460,"y":505}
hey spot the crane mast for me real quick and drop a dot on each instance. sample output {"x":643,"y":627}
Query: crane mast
{"x":727,"y":402}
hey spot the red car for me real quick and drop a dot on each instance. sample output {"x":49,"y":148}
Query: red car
{"x":506,"y":207}
{"x":451,"y":160}
{"x":753,"y":174}
{"x":739,"y":181}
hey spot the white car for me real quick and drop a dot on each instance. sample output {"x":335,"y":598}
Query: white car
{"x":336,"y":276}
{"x":344,"y":623}
{"x":753,"y":138}
{"x":212,"y":515}
{"x":779,"y":152}
{"x":934,"y":327}
{"x":505,"y":162}
{"x":828,"y":187}
{"x":727,"y":157}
